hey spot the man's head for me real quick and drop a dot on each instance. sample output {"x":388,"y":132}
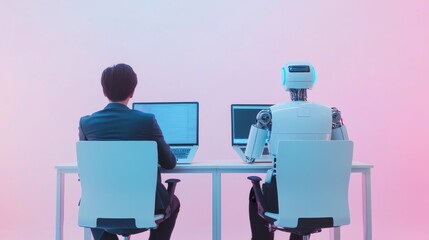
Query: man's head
{"x":119,"y":82}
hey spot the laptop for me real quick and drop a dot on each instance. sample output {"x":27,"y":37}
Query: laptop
{"x":179,"y":124}
{"x":242,"y":118}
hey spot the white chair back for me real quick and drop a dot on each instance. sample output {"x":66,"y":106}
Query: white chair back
{"x":313,"y":180}
{"x":118,"y":180}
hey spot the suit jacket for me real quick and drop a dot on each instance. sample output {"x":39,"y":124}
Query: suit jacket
{"x":117,"y":122}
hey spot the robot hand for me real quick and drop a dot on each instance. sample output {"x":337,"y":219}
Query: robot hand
{"x":339,"y":130}
{"x":258,"y":136}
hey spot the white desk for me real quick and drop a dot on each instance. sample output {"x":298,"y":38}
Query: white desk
{"x":216,"y":169}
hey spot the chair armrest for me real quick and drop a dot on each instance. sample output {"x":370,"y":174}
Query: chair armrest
{"x":260,"y":200}
{"x":171,"y":188}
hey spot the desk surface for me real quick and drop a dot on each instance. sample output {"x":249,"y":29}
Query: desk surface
{"x":223,"y":166}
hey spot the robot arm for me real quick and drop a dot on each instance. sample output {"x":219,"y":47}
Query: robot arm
{"x":258,"y":136}
{"x":339,"y":130}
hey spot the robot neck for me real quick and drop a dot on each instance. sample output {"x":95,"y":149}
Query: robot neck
{"x":298,"y":94}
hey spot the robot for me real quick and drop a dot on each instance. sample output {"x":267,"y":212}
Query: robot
{"x":295,"y":120}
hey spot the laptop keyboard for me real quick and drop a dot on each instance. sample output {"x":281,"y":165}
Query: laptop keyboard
{"x":180,"y":152}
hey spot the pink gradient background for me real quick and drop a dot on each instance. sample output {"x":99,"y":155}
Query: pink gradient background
{"x":371,"y":62}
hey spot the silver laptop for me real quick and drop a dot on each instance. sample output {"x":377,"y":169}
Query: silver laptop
{"x":242,"y":118}
{"x":179,"y":124}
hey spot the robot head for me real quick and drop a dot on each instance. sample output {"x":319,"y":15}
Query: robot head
{"x":298,"y":76}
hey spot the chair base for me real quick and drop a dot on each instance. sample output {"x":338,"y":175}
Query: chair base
{"x":126,"y":232}
{"x":305,"y":233}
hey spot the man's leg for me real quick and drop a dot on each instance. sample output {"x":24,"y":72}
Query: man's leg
{"x":165,"y":229}
{"x":295,"y":237}
{"x":100,"y":234}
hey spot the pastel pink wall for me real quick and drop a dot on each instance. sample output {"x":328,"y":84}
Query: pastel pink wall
{"x":370,"y":56}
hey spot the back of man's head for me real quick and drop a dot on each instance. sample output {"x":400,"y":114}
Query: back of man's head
{"x":119,"y":82}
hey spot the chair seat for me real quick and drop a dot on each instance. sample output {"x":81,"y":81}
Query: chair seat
{"x":297,"y":230}
{"x":159,"y":217}
{"x":118,"y":180}
{"x":274,"y":216}
{"x":126,"y":231}
{"x":312,"y":186}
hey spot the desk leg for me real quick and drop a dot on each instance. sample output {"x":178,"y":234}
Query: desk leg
{"x":366,"y":194}
{"x":60,"y":206}
{"x":87,"y":234}
{"x":216,"y":198}
{"x":334,"y":233}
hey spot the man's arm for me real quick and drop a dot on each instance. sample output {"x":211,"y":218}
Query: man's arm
{"x":165,"y":157}
{"x":81,"y":134}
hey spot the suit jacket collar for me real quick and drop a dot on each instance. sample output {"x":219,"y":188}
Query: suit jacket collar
{"x":116,"y":106}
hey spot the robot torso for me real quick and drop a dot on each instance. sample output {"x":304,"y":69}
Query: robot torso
{"x":299,"y":120}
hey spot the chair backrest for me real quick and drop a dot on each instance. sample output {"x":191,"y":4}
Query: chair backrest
{"x":313,"y":180}
{"x":118,"y":181}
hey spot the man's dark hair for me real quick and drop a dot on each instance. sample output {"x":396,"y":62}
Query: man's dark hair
{"x":119,"y":82}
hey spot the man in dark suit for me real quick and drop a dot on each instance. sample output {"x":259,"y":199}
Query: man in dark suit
{"x":117,"y":122}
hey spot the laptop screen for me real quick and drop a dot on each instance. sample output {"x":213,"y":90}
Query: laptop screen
{"x":242,"y":118}
{"x":178,"y":120}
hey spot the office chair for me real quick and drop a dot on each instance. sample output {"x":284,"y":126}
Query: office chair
{"x":312,"y":185}
{"x":118,"y":181}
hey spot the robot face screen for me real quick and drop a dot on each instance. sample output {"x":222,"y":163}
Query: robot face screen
{"x":298,"y":76}
{"x":299,"y":68}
